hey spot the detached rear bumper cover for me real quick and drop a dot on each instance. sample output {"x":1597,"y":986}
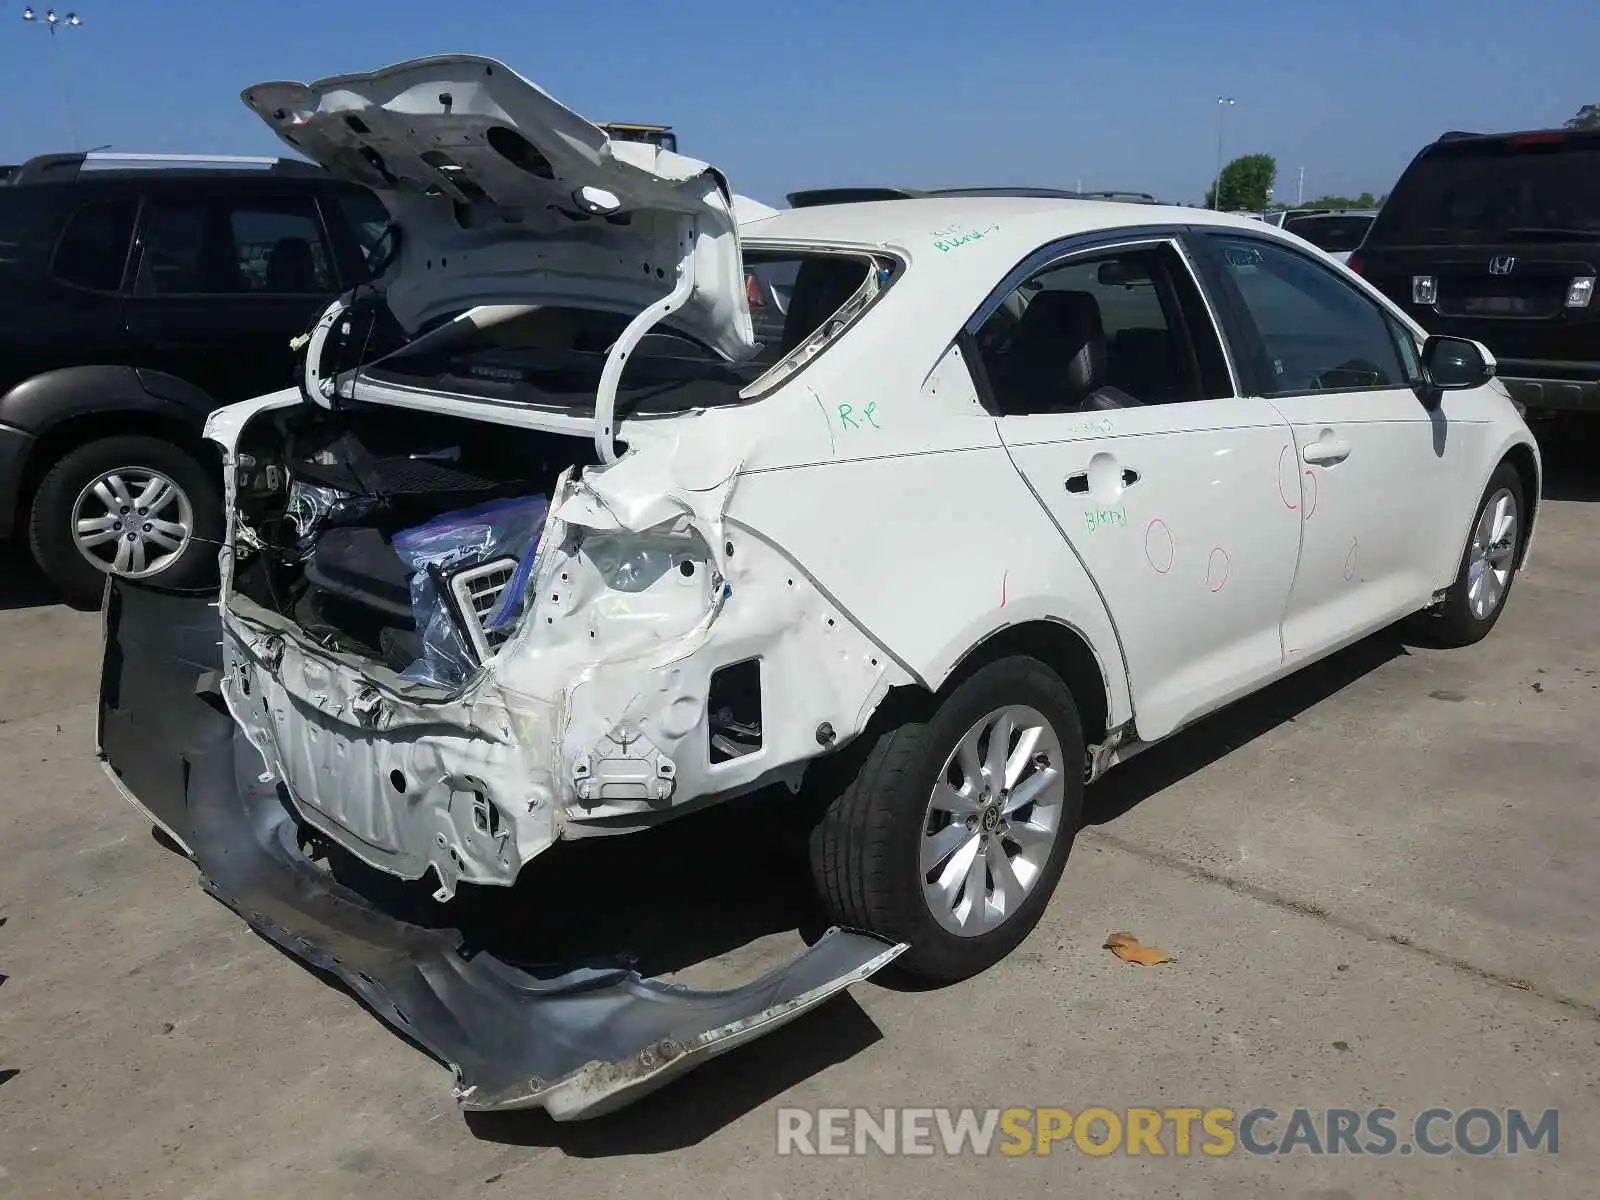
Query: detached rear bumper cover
{"x":578,"y":1044}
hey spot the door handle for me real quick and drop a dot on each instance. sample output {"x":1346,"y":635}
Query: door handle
{"x":1078,"y":482}
{"x":1325,"y":453}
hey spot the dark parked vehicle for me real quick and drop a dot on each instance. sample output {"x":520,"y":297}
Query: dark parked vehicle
{"x":1496,"y":237}
{"x":1334,"y":233}
{"x":141,"y":292}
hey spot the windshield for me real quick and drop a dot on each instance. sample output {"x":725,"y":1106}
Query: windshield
{"x":1476,"y":192}
{"x":1332,"y":234}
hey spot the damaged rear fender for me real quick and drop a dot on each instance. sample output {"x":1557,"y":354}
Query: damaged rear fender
{"x":688,"y":657}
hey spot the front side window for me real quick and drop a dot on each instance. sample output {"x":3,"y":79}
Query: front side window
{"x":280,"y":250}
{"x":1105,"y":330}
{"x":1317,"y":333}
{"x":368,"y":221}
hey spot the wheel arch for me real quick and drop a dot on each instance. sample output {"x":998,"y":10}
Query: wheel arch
{"x":1523,"y":459}
{"x":66,"y":435}
{"x":1062,"y":648}
{"x":72,"y":406}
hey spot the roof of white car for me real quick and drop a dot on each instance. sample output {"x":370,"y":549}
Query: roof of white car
{"x":978,"y":228}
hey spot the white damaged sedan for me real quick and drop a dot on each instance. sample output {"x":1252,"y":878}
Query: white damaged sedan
{"x":546,"y":544}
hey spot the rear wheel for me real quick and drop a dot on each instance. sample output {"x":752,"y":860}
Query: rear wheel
{"x":949,"y":830}
{"x":137,"y":507}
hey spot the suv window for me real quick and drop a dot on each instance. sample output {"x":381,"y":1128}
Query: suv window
{"x":93,"y":249}
{"x":1104,"y":330}
{"x":279,"y":249}
{"x":367,"y":219}
{"x":1496,"y":190}
{"x":28,"y":220}
{"x":173,"y":261}
{"x":251,"y":248}
{"x":1317,"y":332}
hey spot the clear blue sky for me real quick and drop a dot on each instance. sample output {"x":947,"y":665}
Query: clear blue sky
{"x":844,"y":91}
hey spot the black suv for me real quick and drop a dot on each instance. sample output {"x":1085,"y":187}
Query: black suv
{"x":141,"y":292}
{"x":1496,"y":237}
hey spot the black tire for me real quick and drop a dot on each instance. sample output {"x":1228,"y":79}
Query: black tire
{"x":866,"y":850}
{"x":1453,"y":623}
{"x":50,"y":532}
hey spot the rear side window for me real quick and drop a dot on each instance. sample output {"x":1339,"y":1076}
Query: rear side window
{"x":1499,"y":190}
{"x":1114,"y":328}
{"x":174,"y":258}
{"x":93,"y":249}
{"x":29,"y":217}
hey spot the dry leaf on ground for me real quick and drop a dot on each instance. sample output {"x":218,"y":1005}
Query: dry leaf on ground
{"x":1129,"y":949}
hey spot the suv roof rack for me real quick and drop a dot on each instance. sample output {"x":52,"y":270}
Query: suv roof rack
{"x":63,"y":168}
{"x":814,"y":197}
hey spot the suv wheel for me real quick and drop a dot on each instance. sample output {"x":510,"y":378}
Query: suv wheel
{"x":952,"y":829}
{"x":132,"y":506}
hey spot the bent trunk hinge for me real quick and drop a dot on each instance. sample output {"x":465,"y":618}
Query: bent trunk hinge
{"x":605,"y":398}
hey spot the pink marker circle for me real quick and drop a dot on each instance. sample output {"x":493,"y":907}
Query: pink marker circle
{"x":1282,"y":495}
{"x":1218,"y":568}
{"x":1159,"y":548}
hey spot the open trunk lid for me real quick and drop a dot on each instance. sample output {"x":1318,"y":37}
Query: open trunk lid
{"x":506,"y":200}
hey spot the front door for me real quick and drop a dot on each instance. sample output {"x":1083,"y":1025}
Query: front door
{"x":1117,"y":407}
{"x":1374,"y":473}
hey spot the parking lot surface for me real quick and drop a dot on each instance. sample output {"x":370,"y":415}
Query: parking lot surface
{"x":1377,"y":882}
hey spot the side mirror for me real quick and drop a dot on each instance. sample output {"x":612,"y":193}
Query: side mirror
{"x":1454,"y":364}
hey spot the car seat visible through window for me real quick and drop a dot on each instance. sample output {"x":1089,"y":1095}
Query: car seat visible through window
{"x":1057,"y":361}
{"x":291,"y":266}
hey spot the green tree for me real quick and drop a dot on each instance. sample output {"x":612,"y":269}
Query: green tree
{"x":1588,"y":117}
{"x":1244,"y":183}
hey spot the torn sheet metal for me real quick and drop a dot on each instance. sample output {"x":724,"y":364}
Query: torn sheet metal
{"x":577,"y":1044}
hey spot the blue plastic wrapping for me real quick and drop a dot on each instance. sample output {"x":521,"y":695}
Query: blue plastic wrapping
{"x":456,"y":541}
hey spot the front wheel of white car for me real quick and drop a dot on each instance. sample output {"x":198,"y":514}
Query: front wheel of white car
{"x":1488,"y":565}
{"x":948,"y":830}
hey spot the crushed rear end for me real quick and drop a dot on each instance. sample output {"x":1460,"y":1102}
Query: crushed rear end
{"x":314,"y":735}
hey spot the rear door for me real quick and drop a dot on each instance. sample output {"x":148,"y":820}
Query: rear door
{"x":1168,"y":498}
{"x":63,"y":252}
{"x":224,"y":282}
{"x":1376,"y":480}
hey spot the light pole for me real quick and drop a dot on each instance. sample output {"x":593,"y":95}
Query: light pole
{"x":54,"y":21}
{"x":1224,"y":103}
{"x":1300,"y":189}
